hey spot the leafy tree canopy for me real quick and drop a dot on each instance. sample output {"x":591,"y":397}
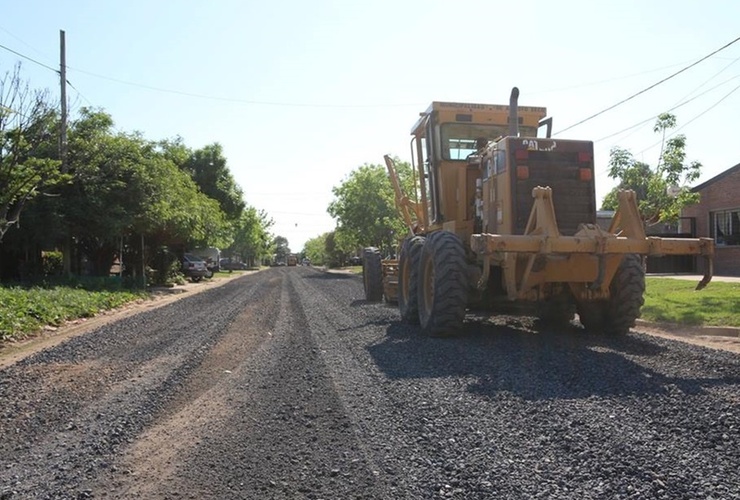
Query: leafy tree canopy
{"x":209,"y":170}
{"x":656,"y":201}
{"x":27,"y":122}
{"x":252,"y":237}
{"x":280,"y":248}
{"x":364,"y":207}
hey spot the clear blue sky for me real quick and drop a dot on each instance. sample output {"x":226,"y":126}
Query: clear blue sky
{"x":301,"y":93}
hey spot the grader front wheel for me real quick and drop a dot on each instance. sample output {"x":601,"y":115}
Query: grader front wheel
{"x":372,"y":274}
{"x":443,"y":285}
{"x":408,"y":279}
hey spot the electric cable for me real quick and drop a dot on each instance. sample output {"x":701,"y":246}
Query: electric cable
{"x":693,"y":119}
{"x":668,"y":110}
{"x":29,"y":58}
{"x":648,"y":88}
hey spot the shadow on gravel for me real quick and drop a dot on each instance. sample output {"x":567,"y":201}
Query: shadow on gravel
{"x":535,"y":365}
{"x":330,"y":276}
{"x":363,"y":302}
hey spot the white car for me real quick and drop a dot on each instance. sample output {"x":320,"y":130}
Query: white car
{"x":195,"y":268}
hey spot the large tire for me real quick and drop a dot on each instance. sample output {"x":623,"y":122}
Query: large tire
{"x":408,"y":279}
{"x":617,"y":315}
{"x":443,"y":285}
{"x":372,"y":274}
{"x":627,"y":295}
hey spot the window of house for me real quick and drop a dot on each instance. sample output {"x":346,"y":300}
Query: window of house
{"x":725,"y":226}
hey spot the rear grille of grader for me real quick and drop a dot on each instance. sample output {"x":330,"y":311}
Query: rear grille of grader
{"x":572,"y":197}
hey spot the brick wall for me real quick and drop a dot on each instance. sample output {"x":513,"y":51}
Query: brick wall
{"x":719,"y":193}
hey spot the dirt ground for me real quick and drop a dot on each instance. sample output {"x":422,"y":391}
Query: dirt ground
{"x":12,"y":352}
{"x":727,"y":339}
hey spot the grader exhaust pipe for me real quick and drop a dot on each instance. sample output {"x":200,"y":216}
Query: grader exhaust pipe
{"x":514,"y":113}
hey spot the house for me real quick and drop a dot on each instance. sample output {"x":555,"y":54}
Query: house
{"x":717,"y":215}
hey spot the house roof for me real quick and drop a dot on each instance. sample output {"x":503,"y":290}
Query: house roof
{"x":716,"y":178}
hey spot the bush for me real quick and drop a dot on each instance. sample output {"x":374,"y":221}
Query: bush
{"x":27,"y":309}
{"x":52,"y":263}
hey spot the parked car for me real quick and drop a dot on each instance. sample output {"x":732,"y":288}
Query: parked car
{"x":355,"y":261}
{"x":232,"y":265}
{"x":211,"y":255}
{"x":195,"y":268}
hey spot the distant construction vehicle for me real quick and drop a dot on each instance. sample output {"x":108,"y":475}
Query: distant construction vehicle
{"x":506,"y":221}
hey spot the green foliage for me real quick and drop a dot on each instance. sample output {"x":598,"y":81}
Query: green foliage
{"x":27,"y":310}
{"x":167,"y":269}
{"x":315,"y":250}
{"x":364,"y":207}
{"x":123,"y":185}
{"x":651,"y":184}
{"x":251,"y":237}
{"x":27,"y":121}
{"x":280,"y":248}
{"x":51,"y":263}
{"x":208,"y":168}
{"x":675,"y":301}
{"x":117,"y":189}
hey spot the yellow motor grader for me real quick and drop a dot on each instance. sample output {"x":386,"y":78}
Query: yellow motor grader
{"x":506,"y":221}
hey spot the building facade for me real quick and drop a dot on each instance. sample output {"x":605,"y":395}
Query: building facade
{"x":717,"y":215}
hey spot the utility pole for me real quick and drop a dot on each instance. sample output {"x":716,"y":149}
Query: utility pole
{"x":67,"y":250}
{"x":63,"y":81}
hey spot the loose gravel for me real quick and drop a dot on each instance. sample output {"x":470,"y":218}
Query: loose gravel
{"x":286,"y":384}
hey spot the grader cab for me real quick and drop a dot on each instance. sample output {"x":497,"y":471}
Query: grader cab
{"x":506,"y":221}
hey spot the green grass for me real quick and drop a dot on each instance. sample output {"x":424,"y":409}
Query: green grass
{"x":25,"y":310}
{"x":675,"y":301}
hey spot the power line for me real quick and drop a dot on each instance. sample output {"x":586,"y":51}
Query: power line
{"x":242,"y":101}
{"x":693,"y":119}
{"x":24,"y":43}
{"x":668,"y":110}
{"x":608,"y":80}
{"x":30,"y":59}
{"x":212,"y":97}
{"x":648,"y":88}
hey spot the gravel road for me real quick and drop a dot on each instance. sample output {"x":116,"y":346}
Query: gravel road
{"x":285,"y":384}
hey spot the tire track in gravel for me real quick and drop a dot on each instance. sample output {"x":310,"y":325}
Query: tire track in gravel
{"x":273,"y":427}
{"x":59,"y":437}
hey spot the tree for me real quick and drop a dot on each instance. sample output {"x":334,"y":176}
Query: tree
{"x":251,"y":238}
{"x":663,"y":191}
{"x":27,"y":121}
{"x":124,"y":185}
{"x":364,"y":207}
{"x":281,"y":248}
{"x":315,"y":250}
{"x":209,"y":170}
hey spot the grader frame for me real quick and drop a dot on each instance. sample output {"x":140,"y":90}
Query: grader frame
{"x":468,"y":241}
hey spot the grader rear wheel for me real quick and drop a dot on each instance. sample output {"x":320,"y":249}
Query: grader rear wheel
{"x":372,"y":274}
{"x":408,"y":279}
{"x":618,"y":314}
{"x":443,"y":285}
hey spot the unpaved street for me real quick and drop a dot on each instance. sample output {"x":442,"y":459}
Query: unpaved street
{"x":285,"y":384}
